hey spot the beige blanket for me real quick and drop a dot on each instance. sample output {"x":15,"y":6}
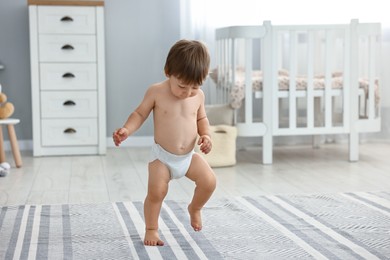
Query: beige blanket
{"x":237,"y":92}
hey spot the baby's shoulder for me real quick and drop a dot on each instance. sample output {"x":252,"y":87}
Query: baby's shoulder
{"x":158,"y":87}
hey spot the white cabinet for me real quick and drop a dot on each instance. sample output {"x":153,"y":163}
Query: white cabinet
{"x":67,"y":78}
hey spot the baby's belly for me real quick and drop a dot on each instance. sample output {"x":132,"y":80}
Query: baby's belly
{"x":179,"y":140}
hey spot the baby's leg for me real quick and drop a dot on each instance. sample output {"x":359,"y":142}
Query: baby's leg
{"x":157,"y":190}
{"x":205,"y":181}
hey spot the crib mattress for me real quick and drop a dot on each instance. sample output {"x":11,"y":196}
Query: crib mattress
{"x":237,"y":90}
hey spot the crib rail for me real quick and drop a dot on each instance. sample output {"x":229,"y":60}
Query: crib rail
{"x":321,"y":39}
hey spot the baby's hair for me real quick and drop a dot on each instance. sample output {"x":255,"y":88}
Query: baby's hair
{"x":189,"y":61}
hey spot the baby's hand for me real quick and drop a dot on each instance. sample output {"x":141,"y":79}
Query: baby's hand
{"x":120,"y":135}
{"x":205,"y":144}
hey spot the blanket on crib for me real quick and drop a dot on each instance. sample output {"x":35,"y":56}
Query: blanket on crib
{"x":237,"y":90}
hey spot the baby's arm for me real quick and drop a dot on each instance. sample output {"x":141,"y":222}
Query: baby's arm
{"x":204,"y":130}
{"x":136,"y":119}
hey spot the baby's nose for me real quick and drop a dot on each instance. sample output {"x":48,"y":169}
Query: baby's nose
{"x":188,"y":93}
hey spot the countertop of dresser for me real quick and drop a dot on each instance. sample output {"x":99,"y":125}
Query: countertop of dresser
{"x":67,"y":2}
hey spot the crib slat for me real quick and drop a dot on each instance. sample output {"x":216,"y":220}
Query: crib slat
{"x":293,"y":75}
{"x":231,"y":67}
{"x":270,"y":90}
{"x":354,"y":113}
{"x":220,"y":69}
{"x":277,"y":58}
{"x":248,"y":82}
{"x":221,"y":72}
{"x":219,"y":57}
{"x":346,"y":81}
{"x":371,"y":86}
{"x":310,"y":75}
{"x":223,"y":69}
{"x":328,"y":80}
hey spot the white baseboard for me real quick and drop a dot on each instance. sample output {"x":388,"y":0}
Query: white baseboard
{"x":24,"y":145}
{"x":147,"y":141}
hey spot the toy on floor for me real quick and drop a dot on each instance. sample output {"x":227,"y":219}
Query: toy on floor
{"x":6,"y":108}
{"x":4,"y":169}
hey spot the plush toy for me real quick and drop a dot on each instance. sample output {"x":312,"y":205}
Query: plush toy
{"x":4,"y":169}
{"x":6,"y":108}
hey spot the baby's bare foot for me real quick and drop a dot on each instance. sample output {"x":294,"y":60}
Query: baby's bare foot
{"x":152,"y":238}
{"x":196,"y":218}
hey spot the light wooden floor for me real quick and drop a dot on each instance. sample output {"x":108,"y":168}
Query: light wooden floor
{"x":121,"y":175}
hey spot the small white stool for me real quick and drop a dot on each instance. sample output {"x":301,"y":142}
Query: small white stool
{"x":10,"y":122}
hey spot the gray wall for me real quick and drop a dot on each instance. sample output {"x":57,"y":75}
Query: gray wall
{"x":14,"y":54}
{"x":139,"y":34}
{"x":138,"y":37}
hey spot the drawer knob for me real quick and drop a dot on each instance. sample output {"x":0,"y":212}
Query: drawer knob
{"x":70,"y":131}
{"x":69,"y":103}
{"x":66,"y":19}
{"x":68,"y":75}
{"x":67,"y":47}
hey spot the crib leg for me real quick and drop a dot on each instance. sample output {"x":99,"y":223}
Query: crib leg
{"x":354,"y":147}
{"x":316,"y":140}
{"x":267,"y":149}
{"x":318,"y":120}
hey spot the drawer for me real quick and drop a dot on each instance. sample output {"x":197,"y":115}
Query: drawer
{"x":68,"y":104}
{"x":59,"y":132}
{"x":66,"y":20}
{"x":67,"y":48}
{"x":68,"y":76}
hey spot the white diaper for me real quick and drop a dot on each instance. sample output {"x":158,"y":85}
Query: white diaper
{"x":178,"y":165}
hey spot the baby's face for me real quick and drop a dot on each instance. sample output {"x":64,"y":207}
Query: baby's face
{"x":181,"y":90}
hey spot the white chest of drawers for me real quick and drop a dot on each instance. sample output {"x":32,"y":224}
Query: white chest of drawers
{"x":67,"y":78}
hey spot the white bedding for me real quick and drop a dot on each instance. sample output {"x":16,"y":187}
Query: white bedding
{"x":237,"y":92}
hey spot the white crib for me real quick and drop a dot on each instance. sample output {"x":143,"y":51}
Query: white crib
{"x":300,"y":80}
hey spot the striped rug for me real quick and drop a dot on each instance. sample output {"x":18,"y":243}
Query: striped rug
{"x":327,"y":226}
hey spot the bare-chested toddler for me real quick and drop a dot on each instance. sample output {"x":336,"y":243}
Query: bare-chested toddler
{"x":179,"y":116}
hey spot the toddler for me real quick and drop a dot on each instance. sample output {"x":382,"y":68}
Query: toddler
{"x":179,"y":117}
